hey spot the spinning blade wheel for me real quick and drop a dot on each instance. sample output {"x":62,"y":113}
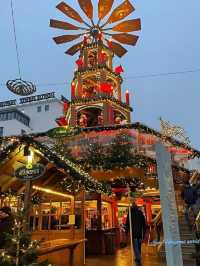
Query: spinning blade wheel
{"x":96,"y":31}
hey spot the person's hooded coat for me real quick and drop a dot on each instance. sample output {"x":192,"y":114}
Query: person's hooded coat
{"x":138,"y":223}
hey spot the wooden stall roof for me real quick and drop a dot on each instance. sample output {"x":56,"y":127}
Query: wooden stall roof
{"x":66,"y":165}
{"x":141,"y":128}
{"x":11,"y":157}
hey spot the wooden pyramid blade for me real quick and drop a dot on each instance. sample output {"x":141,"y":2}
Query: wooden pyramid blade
{"x":117,"y":48}
{"x":62,"y":25}
{"x":128,"y":26}
{"x":66,"y":38}
{"x":74,"y":49}
{"x":104,"y":7}
{"x":69,"y":11}
{"x":125,"y":38}
{"x":120,"y":12}
{"x":87,"y":7}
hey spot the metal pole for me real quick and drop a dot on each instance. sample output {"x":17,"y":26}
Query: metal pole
{"x":130,"y":225}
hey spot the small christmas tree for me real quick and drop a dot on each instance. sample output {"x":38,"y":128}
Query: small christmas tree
{"x":19,"y":249}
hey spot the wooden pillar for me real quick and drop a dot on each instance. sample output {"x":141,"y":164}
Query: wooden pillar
{"x":99,"y":212}
{"x":79,"y":87}
{"x":148,"y":212}
{"x":106,"y":114}
{"x":73,"y":119}
{"x":85,"y":55}
{"x":128,"y":117}
{"x":119,"y":91}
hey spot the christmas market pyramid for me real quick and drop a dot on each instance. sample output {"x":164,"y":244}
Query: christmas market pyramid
{"x":96,"y":93}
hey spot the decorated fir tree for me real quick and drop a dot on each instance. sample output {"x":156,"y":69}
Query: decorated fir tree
{"x":19,"y":249}
{"x":120,"y":152}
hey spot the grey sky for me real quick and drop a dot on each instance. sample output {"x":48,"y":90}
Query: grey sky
{"x":169,"y":42}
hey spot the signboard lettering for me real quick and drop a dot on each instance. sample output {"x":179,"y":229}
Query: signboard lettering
{"x":37,"y":98}
{"x":8,"y":103}
{"x":25,"y":173}
{"x":63,"y":132}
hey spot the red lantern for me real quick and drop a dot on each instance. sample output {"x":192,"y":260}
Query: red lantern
{"x":119,"y":69}
{"x":61,"y":121}
{"x":65,"y":107}
{"x":79,"y":62}
{"x":106,"y":88}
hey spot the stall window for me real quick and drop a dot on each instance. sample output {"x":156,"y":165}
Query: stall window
{"x":91,"y":214}
{"x":107,"y":216}
{"x":51,"y":216}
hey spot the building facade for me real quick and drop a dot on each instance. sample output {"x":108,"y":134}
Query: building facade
{"x":30,"y":114}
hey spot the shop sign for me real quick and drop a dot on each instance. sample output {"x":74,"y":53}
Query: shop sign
{"x":31,"y":172}
{"x":8,"y":103}
{"x":60,"y":132}
{"x":36,"y":98}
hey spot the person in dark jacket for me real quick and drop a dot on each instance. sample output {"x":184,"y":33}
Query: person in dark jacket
{"x":190,"y":196}
{"x":138,"y":230}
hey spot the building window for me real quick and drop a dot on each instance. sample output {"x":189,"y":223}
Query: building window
{"x":46,"y":107}
{"x":1,"y":131}
{"x":23,"y":132}
{"x":39,"y":109}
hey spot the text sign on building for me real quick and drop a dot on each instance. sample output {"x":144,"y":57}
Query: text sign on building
{"x":37,"y":98}
{"x":34,"y":172}
{"x":169,"y":208}
{"x":8,"y":103}
{"x":59,"y":132}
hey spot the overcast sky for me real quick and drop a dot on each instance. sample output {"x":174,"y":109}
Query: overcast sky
{"x":169,"y":42}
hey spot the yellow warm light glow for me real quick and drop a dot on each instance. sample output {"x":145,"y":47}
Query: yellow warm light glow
{"x":53,"y":192}
{"x":30,"y":157}
{"x":121,"y":204}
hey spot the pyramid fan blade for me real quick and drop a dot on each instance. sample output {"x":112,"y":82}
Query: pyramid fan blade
{"x":104,"y":7}
{"x":62,"y":25}
{"x":118,"y":49}
{"x":125,"y":38}
{"x":121,"y":12}
{"x":69,"y":11}
{"x":66,"y":38}
{"x":128,"y":26}
{"x":74,"y":49}
{"x":87,"y":7}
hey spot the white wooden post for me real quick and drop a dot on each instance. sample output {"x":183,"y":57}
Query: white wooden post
{"x":169,"y":208}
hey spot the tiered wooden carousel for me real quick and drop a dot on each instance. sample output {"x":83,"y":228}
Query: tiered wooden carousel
{"x":96,"y":158}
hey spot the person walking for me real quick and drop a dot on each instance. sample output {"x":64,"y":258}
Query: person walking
{"x":138,"y":223}
{"x":190,"y":196}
